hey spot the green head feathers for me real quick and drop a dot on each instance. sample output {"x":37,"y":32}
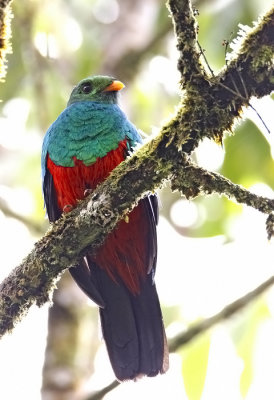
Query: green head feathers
{"x":99,"y":88}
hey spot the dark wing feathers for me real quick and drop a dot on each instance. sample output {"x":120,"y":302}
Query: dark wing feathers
{"x":50,"y":197}
{"x":151,"y":209}
{"x":82,"y":275}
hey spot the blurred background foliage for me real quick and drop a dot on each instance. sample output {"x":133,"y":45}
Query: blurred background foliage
{"x":210,"y":250}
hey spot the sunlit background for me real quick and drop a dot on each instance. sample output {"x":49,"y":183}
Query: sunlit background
{"x":211,"y":251}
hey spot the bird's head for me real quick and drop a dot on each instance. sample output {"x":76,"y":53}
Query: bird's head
{"x":103,"y":89}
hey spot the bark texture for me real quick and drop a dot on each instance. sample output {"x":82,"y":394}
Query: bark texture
{"x":210,"y":104}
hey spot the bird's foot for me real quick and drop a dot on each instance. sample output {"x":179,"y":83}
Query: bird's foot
{"x":87,"y":192}
{"x":67,"y":208}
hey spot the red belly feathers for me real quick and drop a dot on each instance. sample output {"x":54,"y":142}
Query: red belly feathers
{"x":124,"y":251}
{"x":71,"y":182}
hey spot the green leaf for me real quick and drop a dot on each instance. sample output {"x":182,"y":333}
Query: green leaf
{"x":248,"y":157}
{"x":245,"y":339}
{"x":194,"y":366}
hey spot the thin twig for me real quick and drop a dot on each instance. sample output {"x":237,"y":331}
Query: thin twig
{"x":236,"y":91}
{"x":202,"y":51}
{"x":101,"y":393}
{"x":206,"y":112}
{"x":227,"y":312}
{"x":260,"y":118}
{"x":201,"y":327}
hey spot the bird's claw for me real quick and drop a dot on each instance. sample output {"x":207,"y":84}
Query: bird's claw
{"x":87,"y":192}
{"x":67,"y":208}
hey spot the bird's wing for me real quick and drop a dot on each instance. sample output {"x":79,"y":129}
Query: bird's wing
{"x":50,"y":197}
{"x":152,"y":211}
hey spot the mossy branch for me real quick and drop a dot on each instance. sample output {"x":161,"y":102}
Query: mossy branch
{"x":209,"y":107}
{"x":192,"y":181}
{"x":212,"y":102}
{"x":5,"y":34}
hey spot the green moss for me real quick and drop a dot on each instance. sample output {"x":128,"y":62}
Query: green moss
{"x":208,"y":108}
{"x":262,"y":63}
{"x":5,"y":34}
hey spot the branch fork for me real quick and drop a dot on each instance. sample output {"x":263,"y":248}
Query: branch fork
{"x":207,"y":109}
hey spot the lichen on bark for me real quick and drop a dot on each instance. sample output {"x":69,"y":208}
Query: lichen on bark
{"x":209,"y":107}
{"x":5,"y":34}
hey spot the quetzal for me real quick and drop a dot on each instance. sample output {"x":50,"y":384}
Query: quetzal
{"x":80,"y":149}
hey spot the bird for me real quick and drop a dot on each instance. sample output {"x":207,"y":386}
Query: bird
{"x":90,"y":137}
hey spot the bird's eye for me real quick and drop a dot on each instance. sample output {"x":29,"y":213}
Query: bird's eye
{"x":87,"y":87}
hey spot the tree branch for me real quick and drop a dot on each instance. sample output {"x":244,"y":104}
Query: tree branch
{"x":212,"y":103}
{"x":228,"y":311}
{"x":5,"y":34}
{"x":208,"y":108}
{"x":185,"y":26}
{"x":192,"y":181}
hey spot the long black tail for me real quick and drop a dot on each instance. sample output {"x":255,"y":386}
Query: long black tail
{"x":132,"y":328}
